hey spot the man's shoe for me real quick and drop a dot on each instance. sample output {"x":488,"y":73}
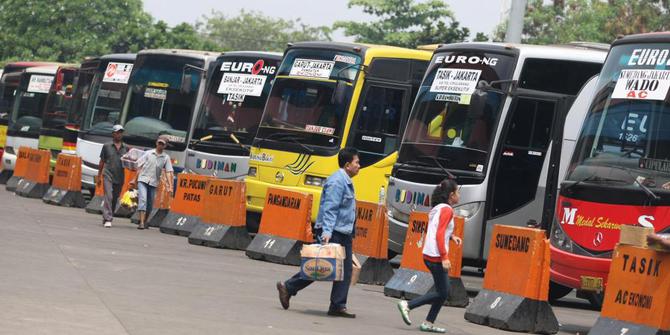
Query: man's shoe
{"x":342,"y":313}
{"x":431,"y":328}
{"x":284,"y":296}
{"x":107,"y":224}
{"x":404,"y":311}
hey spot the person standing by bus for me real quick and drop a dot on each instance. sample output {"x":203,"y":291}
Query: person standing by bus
{"x":436,"y":254}
{"x":150,"y":168}
{"x":334,"y":223}
{"x":111,"y":173}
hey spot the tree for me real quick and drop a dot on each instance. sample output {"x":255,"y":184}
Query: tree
{"x":251,"y":30}
{"x":405,"y":23}
{"x":591,"y":20}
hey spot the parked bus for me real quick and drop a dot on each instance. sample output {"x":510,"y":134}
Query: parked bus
{"x":237,"y":88}
{"x":327,"y":96}
{"x":97,"y":104}
{"x":620,"y":170}
{"x":81,"y":90}
{"x":25,"y":118}
{"x":56,"y":109}
{"x":491,"y":116}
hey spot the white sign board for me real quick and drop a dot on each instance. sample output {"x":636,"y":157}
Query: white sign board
{"x":312,"y":68}
{"x":455,"y":81}
{"x":40,"y":84}
{"x":118,"y":73}
{"x":642,"y":85}
{"x":243,"y":84}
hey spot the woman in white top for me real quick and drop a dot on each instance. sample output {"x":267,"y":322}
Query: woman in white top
{"x":436,"y":254}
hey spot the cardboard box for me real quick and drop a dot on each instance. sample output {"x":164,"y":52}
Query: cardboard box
{"x":635,"y":235}
{"x":322,"y":262}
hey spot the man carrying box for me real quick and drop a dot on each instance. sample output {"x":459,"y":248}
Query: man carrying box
{"x":334,"y":224}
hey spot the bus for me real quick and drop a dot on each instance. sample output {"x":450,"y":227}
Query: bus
{"x":233,"y":106}
{"x":25,"y":118}
{"x":328,"y":95}
{"x":56,"y":110}
{"x":620,"y":170}
{"x":97,"y":105}
{"x":491,"y":117}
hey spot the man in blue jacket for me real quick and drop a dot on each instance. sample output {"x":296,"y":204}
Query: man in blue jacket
{"x":334,"y":224}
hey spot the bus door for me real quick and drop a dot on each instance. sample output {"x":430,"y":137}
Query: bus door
{"x":519,"y":178}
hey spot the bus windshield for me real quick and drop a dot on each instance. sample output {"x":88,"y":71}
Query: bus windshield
{"x":156,"y":103}
{"x":26,"y":116}
{"x":104,"y":101}
{"x":302,"y":106}
{"x":235,"y":105}
{"x":454,"y":118}
{"x":626,"y":136}
{"x":58,"y":101}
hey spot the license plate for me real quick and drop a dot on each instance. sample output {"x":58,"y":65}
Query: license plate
{"x":592,"y":283}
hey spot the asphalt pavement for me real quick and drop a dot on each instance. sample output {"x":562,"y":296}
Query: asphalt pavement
{"x":61,"y":272}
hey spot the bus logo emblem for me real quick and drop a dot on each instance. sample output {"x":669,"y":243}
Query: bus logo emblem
{"x":279,"y":177}
{"x":598,"y":239}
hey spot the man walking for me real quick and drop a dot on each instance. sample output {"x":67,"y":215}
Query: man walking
{"x":111,"y":173}
{"x":150,"y":169}
{"x":334,"y":224}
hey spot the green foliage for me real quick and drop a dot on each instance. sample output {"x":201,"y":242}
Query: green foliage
{"x":251,"y":30}
{"x":405,"y":23}
{"x":591,"y":20}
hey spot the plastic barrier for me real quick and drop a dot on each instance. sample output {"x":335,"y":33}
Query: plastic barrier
{"x":35,"y":184}
{"x":128,"y":176}
{"x":65,"y":187}
{"x":94,"y":206}
{"x":413,"y":279}
{"x":285,"y":226}
{"x":187,"y":205}
{"x":637,"y":299}
{"x":371,"y":243}
{"x":224,"y":217}
{"x":515,"y":292}
{"x":20,"y":169}
{"x":160,"y":208}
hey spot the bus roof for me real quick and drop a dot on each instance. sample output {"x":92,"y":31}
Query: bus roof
{"x":655,"y":37}
{"x":49,"y":69}
{"x":369,"y":50}
{"x":19,"y":66}
{"x":275,"y":55}
{"x":120,"y":57}
{"x":570,"y":51}
{"x":197,"y":54}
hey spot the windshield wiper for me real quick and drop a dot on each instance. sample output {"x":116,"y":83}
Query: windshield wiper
{"x":445,"y":170}
{"x":646,"y":189}
{"x":287,"y":137}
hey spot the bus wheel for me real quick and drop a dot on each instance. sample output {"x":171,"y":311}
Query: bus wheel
{"x":596,"y":299}
{"x":390,"y":254}
{"x":558,"y":291}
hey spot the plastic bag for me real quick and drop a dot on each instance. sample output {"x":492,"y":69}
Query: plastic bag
{"x":129,"y":199}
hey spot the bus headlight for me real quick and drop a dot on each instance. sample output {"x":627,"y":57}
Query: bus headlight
{"x":252,"y":171}
{"x":559,"y":239}
{"x":468,"y":210}
{"x":314,"y":180}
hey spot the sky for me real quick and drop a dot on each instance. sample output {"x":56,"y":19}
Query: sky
{"x":477,"y":15}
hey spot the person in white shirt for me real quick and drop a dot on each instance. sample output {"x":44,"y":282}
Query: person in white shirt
{"x":151,"y":166}
{"x":436,"y":254}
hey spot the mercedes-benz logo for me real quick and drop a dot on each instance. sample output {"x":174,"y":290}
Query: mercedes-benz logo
{"x":598,"y":239}
{"x":279,"y":177}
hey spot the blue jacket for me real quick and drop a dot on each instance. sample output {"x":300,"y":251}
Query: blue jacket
{"x":337,"y":209}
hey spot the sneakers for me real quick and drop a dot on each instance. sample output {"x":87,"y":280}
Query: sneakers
{"x":431,"y":328}
{"x":284,"y":296}
{"x":107,"y":224}
{"x":404,"y":311}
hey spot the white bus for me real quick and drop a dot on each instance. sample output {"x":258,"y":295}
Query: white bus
{"x":492,"y":116}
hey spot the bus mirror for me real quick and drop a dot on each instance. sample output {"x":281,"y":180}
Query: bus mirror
{"x":478,"y":100}
{"x":186,"y":82}
{"x":339,"y":94}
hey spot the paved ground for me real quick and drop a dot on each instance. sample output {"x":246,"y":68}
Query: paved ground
{"x":62,"y":273}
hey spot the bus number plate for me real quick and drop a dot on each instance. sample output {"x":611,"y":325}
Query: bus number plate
{"x":592,"y":283}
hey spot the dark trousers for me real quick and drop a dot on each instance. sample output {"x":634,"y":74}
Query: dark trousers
{"x":340,"y":290}
{"x":437,"y":298}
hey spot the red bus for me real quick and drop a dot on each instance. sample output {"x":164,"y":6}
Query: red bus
{"x":620,"y":169}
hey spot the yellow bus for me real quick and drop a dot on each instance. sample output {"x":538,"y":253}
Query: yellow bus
{"x":328,"y":95}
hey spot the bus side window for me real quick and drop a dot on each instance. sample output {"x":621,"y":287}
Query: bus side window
{"x":375,"y":133}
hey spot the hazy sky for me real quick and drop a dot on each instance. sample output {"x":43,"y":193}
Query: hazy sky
{"x":478,"y":15}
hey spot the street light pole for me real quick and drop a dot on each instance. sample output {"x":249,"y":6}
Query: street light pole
{"x":515,"y":21}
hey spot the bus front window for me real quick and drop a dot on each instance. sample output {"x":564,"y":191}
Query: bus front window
{"x":30,"y":100}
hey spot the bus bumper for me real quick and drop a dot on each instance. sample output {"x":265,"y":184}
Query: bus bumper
{"x":568,"y":268}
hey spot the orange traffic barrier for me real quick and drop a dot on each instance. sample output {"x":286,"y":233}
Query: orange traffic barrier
{"x":65,"y":187}
{"x":94,"y":206}
{"x":371,"y":243}
{"x":637,"y":298}
{"x":160,"y":206}
{"x":509,"y":300}
{"x":224,"y":216}
{"x":20,"y":168}
{"x":36,"y":181}
{"x":413,"y":278}
{"x":129,"y":176}
{"x":187,"y":205}
{"x":285,"y":226}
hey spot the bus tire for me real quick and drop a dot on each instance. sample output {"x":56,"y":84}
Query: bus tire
{"x":390,"y":254}
{"x":596,"y":299}
{"x":558,"y":291}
